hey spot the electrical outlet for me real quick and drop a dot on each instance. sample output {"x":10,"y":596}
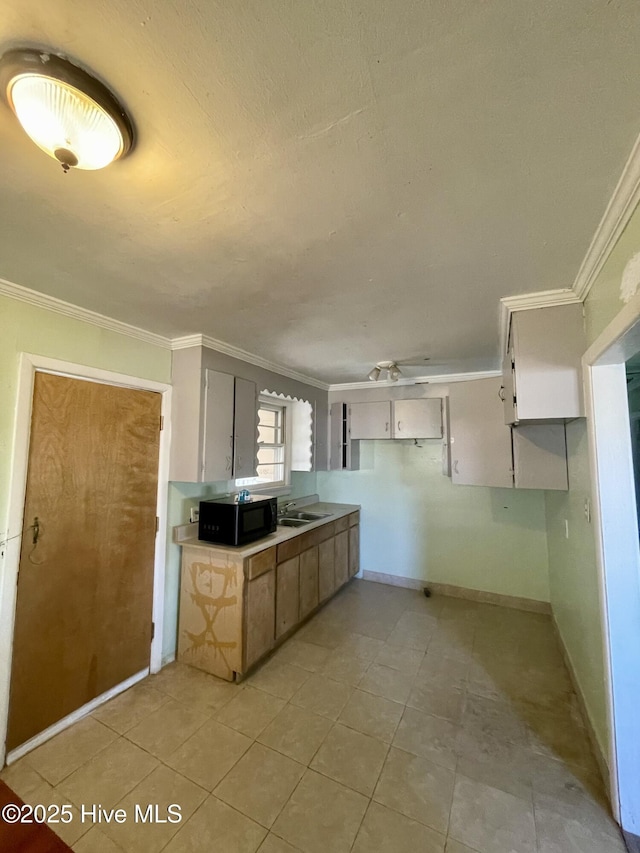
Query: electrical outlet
{"x":194,"y":514}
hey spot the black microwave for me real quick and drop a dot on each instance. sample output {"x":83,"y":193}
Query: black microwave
{"x":228,"y":522}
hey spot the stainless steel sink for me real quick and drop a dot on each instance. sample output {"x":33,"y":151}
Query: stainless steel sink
{"x":294,"y":522}
{"x":299,"y":515}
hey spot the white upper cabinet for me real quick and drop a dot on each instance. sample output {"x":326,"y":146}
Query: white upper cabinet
{"x":214,"y":425}
{"x":480,"y":442}
{"x":420,"y":418}
{"x":542,"y":369}
{"x":344,"y":453}
{"x":370,"y":420}
{"x":487,"y":452}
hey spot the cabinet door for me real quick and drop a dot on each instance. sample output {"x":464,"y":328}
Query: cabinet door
{"x":287,"y":595}
{"x":342,"y":558}
{"x":217,"y":447}
{"x":308,"y":581}
{"x":540,"y":457}
{"x":245,"y":429}
{"x":370,"y":420}
{"x":337,"y":425}
{"x":480,"y":441}
{"x":417,"y":418}
{"x":326,"y":571}
{"x":354,"y":550}
{"x":260,"y":617}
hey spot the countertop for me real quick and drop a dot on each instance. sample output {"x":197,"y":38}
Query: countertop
{"x":184,"y":534}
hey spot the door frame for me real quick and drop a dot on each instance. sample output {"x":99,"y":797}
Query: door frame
{"x":617,"y":550}
{"x":29,"y":365}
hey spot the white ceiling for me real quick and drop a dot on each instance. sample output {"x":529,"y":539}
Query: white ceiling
{"x":328,"y":183}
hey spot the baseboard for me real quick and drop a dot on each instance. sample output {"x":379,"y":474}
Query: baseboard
{"x":513,"y":601}
{"x":632,"y":841}
{"x":595,"y":745}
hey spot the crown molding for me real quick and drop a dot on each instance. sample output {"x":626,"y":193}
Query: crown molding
{"x":243,"y":355}
{"x":528,"y":301}
{"x":440,"y":379}
{"x":67,"y":309}
{"x":617,"y":214}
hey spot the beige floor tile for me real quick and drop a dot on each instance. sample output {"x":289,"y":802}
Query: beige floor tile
{"x":416,"y":788}
{"x":565,"y":783}
{"x":322,"y":634}
{"x":251,"y":711}
{"x":386,"y":682}
{"x":162,"y":732}
{"x":439,"y":701}
{"x":47,"y":796}
{"x":352,"y":758}
{"x":296,"y":733}
{"x":217,"y":828}
{"x":163,"y":787}
{"x":307,"y":656}
{"x":209,"y":754}
{"x":323,"y":696}
{"x":109,"y":776}
{"x":558,"y":834}
{"x":442,"y":671}
{"x":489,"y":718}
{"x":430,"y":737}
{"x":511,"y":773}
{"x":361,"y":646}
{"x":410,"y":638}
{"x":64,"y":753}
{"x":386,"y":831}
{"x":260,"y":784}
{"x":273,"y":844}
{"x":278,"y":679}
{"x":24,"y":780}
{"x":372,"y":715}
{"x":454,"y":846}
{"x":321,"y":816}
{"x":403,"y":659}
{"x":95,"y":841}
{"x":126,"y":710}
{"x":345,"y":667}
{"x":491,"y":821}
{"x":195,"y":688}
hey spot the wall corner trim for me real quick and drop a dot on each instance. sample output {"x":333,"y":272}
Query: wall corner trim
{"x":440,"y":379}
{"x":614,"y":220}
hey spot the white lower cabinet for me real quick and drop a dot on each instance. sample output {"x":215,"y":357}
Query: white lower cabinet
{"x":486,"y":452}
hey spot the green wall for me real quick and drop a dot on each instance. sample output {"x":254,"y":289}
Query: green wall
{"x":27,"y":328}
{"x":416,"y":524}
{"x":573,"y":572}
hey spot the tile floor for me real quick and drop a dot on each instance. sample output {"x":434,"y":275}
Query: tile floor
{"x":390,"y":723}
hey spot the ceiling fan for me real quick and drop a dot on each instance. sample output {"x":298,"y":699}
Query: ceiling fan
{"x":392,"y":368}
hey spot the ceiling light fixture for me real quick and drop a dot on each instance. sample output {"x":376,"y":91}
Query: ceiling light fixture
{"x":393,"y":371}
{"x":69,"y":114}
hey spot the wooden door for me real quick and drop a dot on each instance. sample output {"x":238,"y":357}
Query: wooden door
{"x":85,"y":588}
{"x":354,"y":550}
{"x":287,"y":595}
{"x":260,"y":617}
{"x":308,"y":581}
{"x":342,"y":558}
{"x":326,"y":574}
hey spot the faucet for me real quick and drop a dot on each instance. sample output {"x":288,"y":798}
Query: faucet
{"x":286,"y":507}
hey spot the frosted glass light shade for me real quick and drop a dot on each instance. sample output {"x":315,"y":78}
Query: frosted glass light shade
{"x":59,"y":118}
{"x":67,"y":112}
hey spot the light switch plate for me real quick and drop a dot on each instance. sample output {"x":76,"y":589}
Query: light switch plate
{"x":194,"y":514}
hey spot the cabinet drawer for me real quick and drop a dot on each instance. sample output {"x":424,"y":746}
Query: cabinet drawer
{"x":342,"y":523}
{"x":289,"y":549}
{"x":311,"y":539}
{"x":327,"y":531}
{"x":260,"y":563}
{"x":354,"y":518}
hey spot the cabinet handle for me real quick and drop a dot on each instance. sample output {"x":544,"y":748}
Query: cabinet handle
{"x":501,"y":393}
{"x":386,"y":426}
{"x":455,"y":466}
{"x":399,"y":427}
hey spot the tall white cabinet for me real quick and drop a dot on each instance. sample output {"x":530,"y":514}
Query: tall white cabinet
{"x":215,"y":426}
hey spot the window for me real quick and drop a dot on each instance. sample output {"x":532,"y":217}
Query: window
{"x":274,"y":453}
